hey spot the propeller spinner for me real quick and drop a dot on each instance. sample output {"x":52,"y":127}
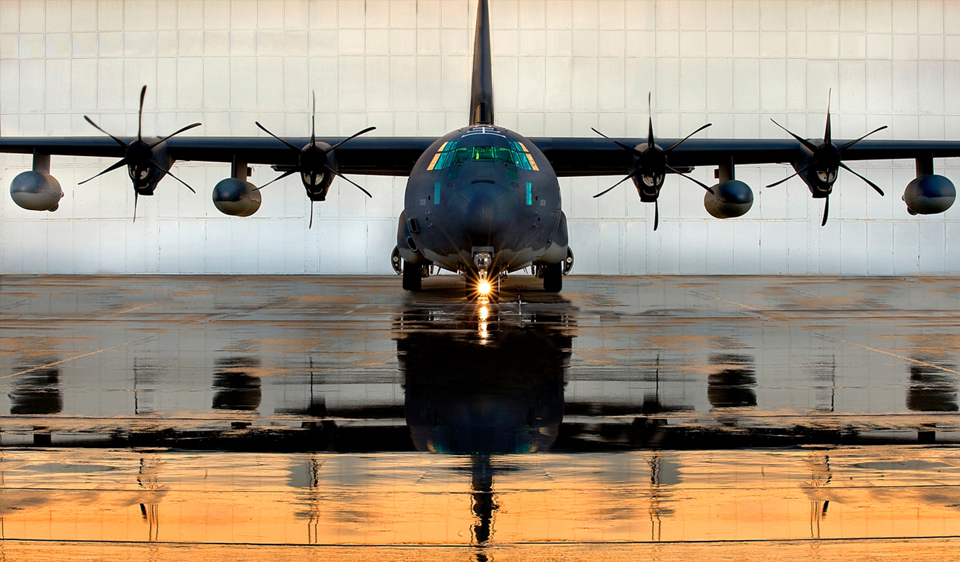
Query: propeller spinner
{"x":651,"y":166}
{"x":820,"y":167}
{"x":146,"y":162}
{"x":315,"y":165}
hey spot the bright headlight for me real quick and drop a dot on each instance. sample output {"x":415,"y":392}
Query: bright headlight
{"x":484,"y":288}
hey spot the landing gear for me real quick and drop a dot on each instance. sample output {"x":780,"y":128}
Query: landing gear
{"x":412,"y":276}
{"x":552,"y":277}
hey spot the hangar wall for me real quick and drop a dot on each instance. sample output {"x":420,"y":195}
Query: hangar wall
{"x":560,"y":67}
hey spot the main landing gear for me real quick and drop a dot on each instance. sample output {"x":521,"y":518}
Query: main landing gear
{"x":552,"y":275}
{"x":413,"y":275}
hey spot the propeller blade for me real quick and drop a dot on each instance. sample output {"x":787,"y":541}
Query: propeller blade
{"x":650,"y":114}
{"x":97,"y":127}
{"x":169,"y":173}
{"x":264,"y":129}
{"x":136,"y":198}
{"x":351,"y":137}
{"x":313,"y":134}
{"x":656,"y":214}
{"x":684,"y":139}
{"x":853,"y":142}
{"x":311,"y":215}
{"x":143,"y":94}
{"x":280,"y":177}
{"x":802,"y":141}
{"x":120,"y":163}
{"x":164,"y":139}
{"x":345,"y":178}
{"x":607,"y":190}
{"x":629,"y":149}
{"x":694,"y":180}
{"x":870,"y":183}
{"x":827,"y":137}
{"x":797,"y":173}
{"x":826,"y":211}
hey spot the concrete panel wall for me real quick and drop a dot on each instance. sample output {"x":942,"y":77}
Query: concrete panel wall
{"x":560,"y":67}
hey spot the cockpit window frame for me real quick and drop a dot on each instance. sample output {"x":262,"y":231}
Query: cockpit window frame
{"x":449,"y":154}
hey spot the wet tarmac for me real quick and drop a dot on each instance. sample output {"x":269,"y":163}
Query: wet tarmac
{"x":339,"y":417}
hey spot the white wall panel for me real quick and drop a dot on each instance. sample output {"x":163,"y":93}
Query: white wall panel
{"x":561,"y":67}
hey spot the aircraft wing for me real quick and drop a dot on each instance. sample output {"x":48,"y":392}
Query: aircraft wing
{"x":591,"y":156}
{"x":388,"y":156}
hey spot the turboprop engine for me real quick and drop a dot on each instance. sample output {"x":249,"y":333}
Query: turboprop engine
{"x":37,"y":190}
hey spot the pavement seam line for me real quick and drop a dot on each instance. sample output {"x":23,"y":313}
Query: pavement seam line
{"x":55,"y":363}
{"x":891,"y":354}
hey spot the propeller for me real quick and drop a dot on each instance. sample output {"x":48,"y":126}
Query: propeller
{"x":651,"y":165}
{"x":314,"y":161}
{"x":826,"y":159}
{"x":139,"y":155}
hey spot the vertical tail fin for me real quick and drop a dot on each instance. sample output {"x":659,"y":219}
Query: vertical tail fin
{"x":481,"y":96}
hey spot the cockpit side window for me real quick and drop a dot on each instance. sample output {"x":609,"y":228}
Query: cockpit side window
{"x":524,"y":158}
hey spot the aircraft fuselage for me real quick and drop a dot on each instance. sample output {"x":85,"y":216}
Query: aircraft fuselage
{"x":482,"y":190}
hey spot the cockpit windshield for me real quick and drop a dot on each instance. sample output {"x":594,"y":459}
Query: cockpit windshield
{"x":483,"y":154}
{"x":449,"y":155}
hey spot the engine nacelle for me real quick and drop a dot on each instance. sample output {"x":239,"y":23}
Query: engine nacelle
{"x":929,"y":195}
{"x":236,"y":197}
{"x":36,"y":191}
{"x":729,"y":199}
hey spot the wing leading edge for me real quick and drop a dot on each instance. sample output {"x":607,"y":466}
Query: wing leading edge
{"x":385,"y":156}
{"x":588,"y":156}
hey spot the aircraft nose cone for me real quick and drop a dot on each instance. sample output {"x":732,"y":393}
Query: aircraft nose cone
{"x":483,"y":212}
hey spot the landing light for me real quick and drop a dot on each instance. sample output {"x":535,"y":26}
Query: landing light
{"x":484,"y":288}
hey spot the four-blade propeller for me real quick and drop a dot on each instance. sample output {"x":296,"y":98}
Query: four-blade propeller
{"x":825,"y":160}
{"x":651,"y":166}
{"x":648,"y":173}
{"x":314,"y":164}
{"x":139,"y":157}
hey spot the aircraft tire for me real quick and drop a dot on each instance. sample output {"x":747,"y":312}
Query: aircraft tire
{"x":412,"y":276}
{"x":553,"y":277}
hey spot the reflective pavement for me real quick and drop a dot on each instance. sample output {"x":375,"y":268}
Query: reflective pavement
{"x":664,"y":417}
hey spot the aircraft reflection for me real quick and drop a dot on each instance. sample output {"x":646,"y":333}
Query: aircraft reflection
{"x":234,"y":388}
{"x":734,"y":386}
{"x":931,"y":389}
{"x":148,"y":479}
{"x":820,"y":477}
{"x":36,"y":392}
{"x":484,"y":380}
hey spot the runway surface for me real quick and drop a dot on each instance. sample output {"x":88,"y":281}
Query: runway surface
{"x":342,"y":418}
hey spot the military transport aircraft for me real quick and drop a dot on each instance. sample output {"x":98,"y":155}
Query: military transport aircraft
{"x":484,"y":201}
